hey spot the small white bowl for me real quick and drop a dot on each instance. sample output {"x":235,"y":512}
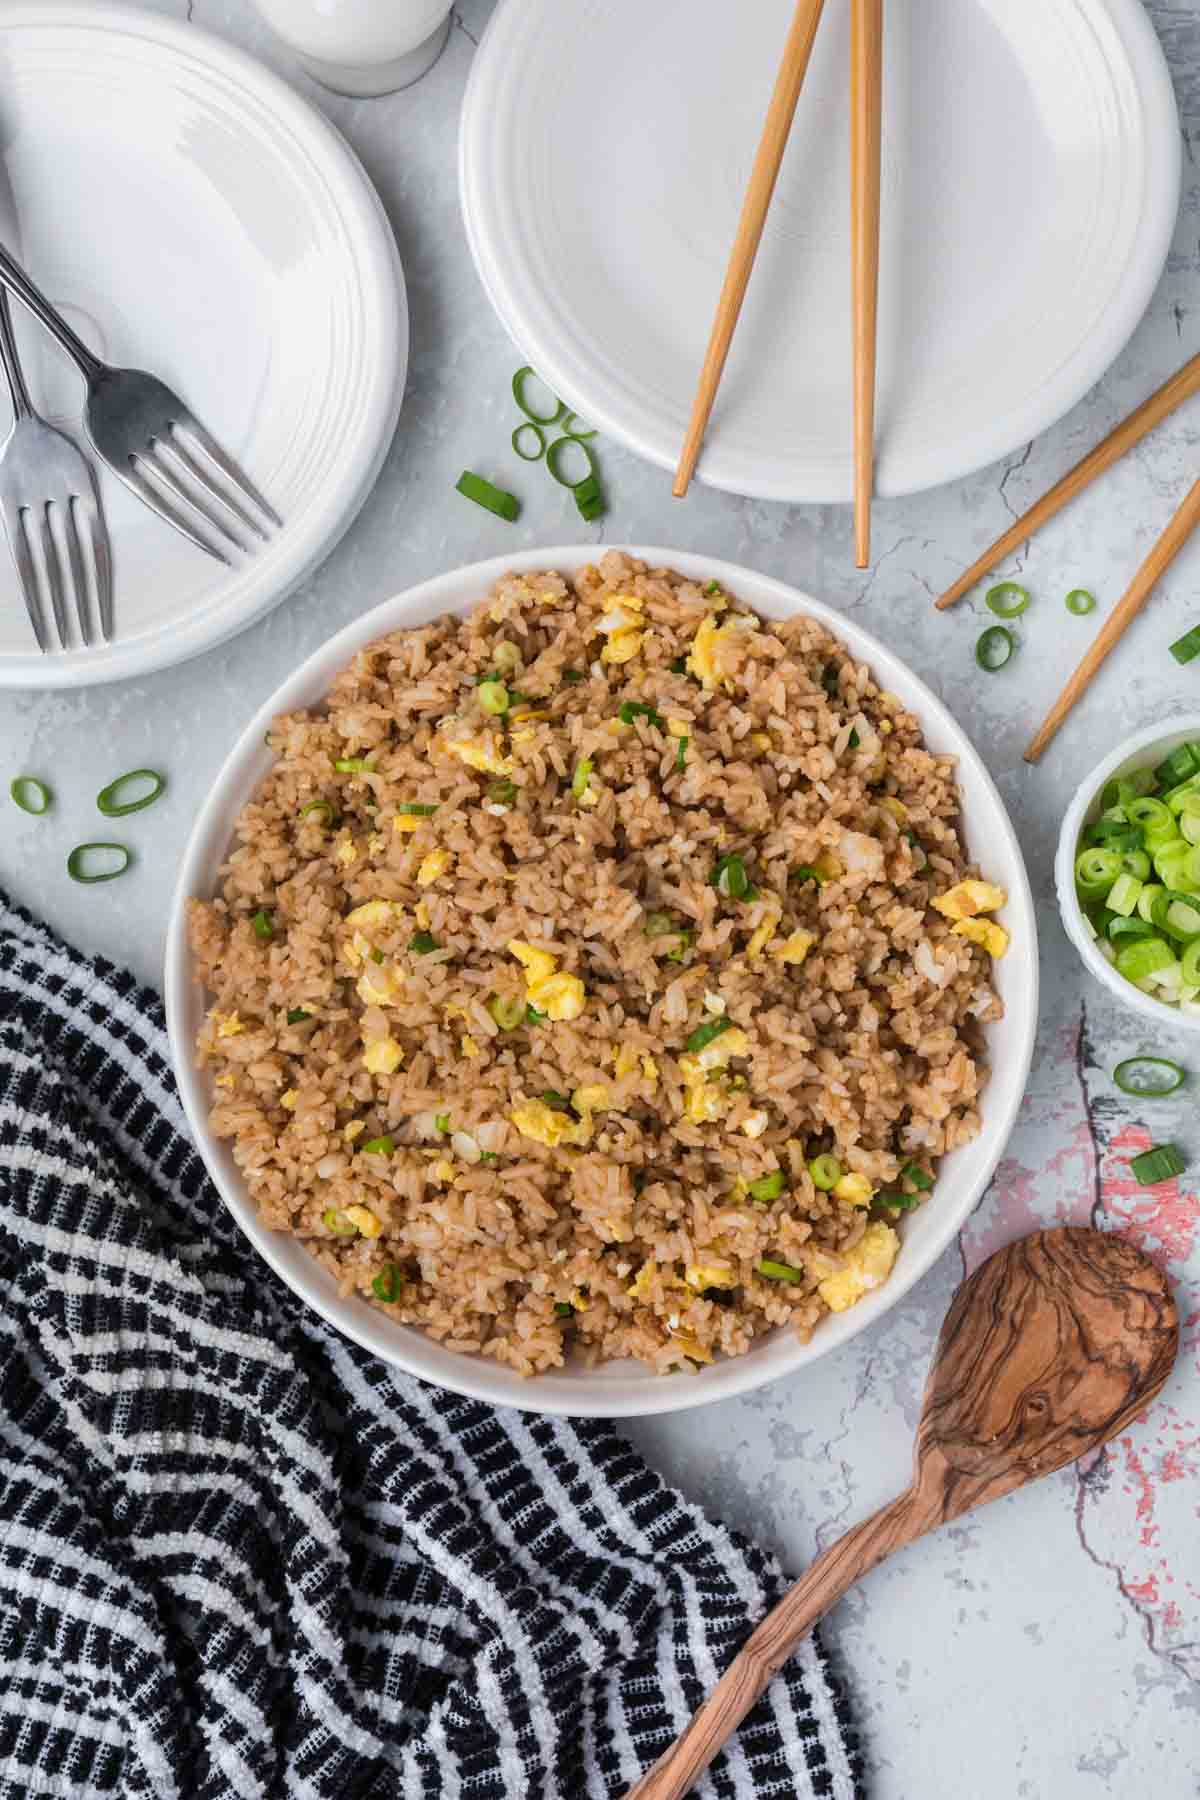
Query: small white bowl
{"x":1143,"y":748}
{"x":619,"y":1389}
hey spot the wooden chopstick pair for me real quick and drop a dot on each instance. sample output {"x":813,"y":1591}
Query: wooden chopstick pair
{"x":866,"y":87}
{"x":1181,"y":386}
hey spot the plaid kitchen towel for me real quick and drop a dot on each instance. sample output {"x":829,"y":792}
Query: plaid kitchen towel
{"x":239,"y":1556}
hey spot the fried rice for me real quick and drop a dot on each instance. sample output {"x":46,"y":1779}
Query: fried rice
{"x":565,"y":943}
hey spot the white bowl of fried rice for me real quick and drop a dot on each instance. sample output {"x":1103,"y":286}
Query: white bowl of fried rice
{"x":579,"y":987}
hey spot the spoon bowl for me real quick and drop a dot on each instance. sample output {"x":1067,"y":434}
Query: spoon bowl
{"x":1048,"y":1350}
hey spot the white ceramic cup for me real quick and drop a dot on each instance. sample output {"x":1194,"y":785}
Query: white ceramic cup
{"x":1144,"y":748}
{"x":362,"y":47}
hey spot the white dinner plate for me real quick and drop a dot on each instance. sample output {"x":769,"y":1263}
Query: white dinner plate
{"x":1029,"y":189}
{"x":616,"y":1389}
{"x":192,"y":216}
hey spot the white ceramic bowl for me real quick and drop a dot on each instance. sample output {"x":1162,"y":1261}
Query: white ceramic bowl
{"x":1144,"y":747}
{"x":624,"y":1389}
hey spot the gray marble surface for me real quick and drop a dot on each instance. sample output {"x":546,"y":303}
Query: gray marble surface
{"x":1050,"y":1646}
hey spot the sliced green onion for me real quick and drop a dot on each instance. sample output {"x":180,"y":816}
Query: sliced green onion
{"x":1136,"y":863}
{"x":1120,"y":927}
{"x":110,"y":803}
{"x":1008,"y":599}
{"x":539,"y":438}
{"x":767,"y":1187}
{"x":518,"y":391}
{"x":920,"y":1178}
{"x":298,"y":1015}
{"x":489,"y":1156}
{"x":679,"y":666}
{"x":681,"y":949}
{"x":507,"y":1012}
{"x":441,"y":1122}
{"x":1161,"y":1163}
{"x":1123,"y":894}
{"x":379,"y":1146}
{"x":1147,"y":897}
{"x":563,"y":1309}
{"x":493,"y":696}
{"x":582,"y":777}
{"x":1177,"y":914}
{"x":681,"y":750}
{"x":264,"y":925}
{"x":1178,"y":767}
{"x":899,"y":1201}
{"x":1187,"y":647}
{"x":333,"y":1221}
{"x":853,"y":741}
{"x":491,"y":498}
{"x":777,"y":1271}
{"x":321,"y":809}
{"x":386,"y":1285}
{"x":1139,"y":960}
{"x":553,"y":1098}
{"x":1095,"y":872}
{"x":502,"y":793}
{"x":704,"y":1034}
{"x":573,"y":676}
{"x":1080,"y":602}
{"x":1151,"y":1076}
{"x":533,"y":1016}
{"x":565,"y":428}
{"x":714,"y":587}
{"x":1145,"y":811}
{"x":636,"y":709}
{"x":826,"y":1171}
{"x":558,"y":449}
{"x":806,"y":872}
{"x":31,"y":795}
{"x":589,"y":498}
{"x":994,"y":648}
{"x":422,"y":942}
{"x":1189,"y":964}
{"x":729,"y":878}
{"x":415,"y":809}
{"x":83,"y":855}
{"x":658,"y":924}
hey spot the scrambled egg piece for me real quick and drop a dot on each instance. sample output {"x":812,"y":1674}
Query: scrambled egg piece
{"x":373,"y":912}
{"x":354,"y":1129}
{"x":855,"y":1190}
{"x":406,"y":822}
{"x":702,"y":658}
{"x":794,"y":948}
{"x":649,"y":1070}
{"x":830,"y":866}
{"x":535,"y":1119}
{"x":966,"y":898}
{"x":623,"y":627}
{"x":896,"y":807}
{"x":623,"y":646}
{"x":591,"y":1098}
{"x":227,"y":1024}
{"x":346,"y":853}
{"x":762,"y":936}
{"x":865,"y":1267}
{"x":479,"y":753}
{"x":443,"y":1169}
{"x":223,"y":1081}
{"x":754,"y":1124}
{"x":701,"y":1275}
{"x":558,"y":996}
{"x":379,"y":985}
{"x":993,"y":937}
{"x":435,"y":864}
{"x":288,"y":1100}
{"x":469,"y":1047}
{"x":421,"y":915}
{"x":624,"y":1059}
{"x":383,"y":1057}
{"x":762,"y":740}
{"x":641,"y":1282}
{"x":705,"y":1100}
{"x":691,"y":1347}
{"x":365,"y":1219}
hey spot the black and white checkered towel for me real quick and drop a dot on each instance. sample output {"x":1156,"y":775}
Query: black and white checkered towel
{"x":238,"y":1556}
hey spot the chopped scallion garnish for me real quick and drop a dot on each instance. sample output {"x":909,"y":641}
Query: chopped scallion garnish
{"x":421,"y":943}
{"x":82,"y":858}
{"x":729,"y":878}
{"x":298,"y":1015}
{"x":1008,"y":599}
{"x":264,"y":925}
{"x":493,"y":696}
{"x":704,"y":1034}
{"x":31,"y":795}
{"x":1162,"y":1163}
{"x":441,"y":1123}
{"x":581,"y":779}
{"x":502,"y":793}
{"x":681,"y":750}
{"x":386,"y":1285}
{"x":994,"y":648}
{"x":334,"y":1221}
{"x":379,"y":1146}
{"x":518,"y":390}
{"x":780,"y":1271}
{"x":353,"y":765}
{"x":415,"y":809}
{"x":539,"y":439}
{"x":110,"y":802}
{"x":767,"y":1187}
{"x":920,"y":1178}
{"x":1188,"y":646}
{"x":1080,"y":602}
{"x":634,"y":709}
{"x":491,"y":498}
{"x":558,"y":449}
{"x":826,"y":1171}
{"x":1153,"y":1077}
{"x":319,"y":809}
{"x":507,"y":1011}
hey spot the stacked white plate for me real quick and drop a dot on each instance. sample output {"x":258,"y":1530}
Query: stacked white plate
{"x":191,"y":215}
{"x":1029,"y":190}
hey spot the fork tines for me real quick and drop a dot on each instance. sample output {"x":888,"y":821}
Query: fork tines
{"x":188,"y":480}
{"x":60,"y":549}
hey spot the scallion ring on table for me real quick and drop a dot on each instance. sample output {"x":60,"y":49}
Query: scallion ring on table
{"x":558,"y":449}
{"x":31,"y":795}
{"x":1080,"y":602}
{"x":1162,"y":1162}
{"x":486,"y":494}
{"x":84,"y":854}
{"x":1008,"y":599}
{"x":110,"y":803}
{"x":994,"y":648}
{"x":539,"y":437}
{"x":564,"y":425}
{"x":1152,"y":1077}
{"x":536,"y":418}
{"x":1188,"y":646}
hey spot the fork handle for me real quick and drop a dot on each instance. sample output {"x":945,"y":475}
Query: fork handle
{"x":22,"y":405}
{"x":18,"y":282}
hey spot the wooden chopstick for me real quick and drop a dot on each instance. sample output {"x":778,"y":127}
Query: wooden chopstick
{"x":866,"y":100}
{"x":771,"y":147}
{"x":1123,"y":437}
{"x":1160,"y":558}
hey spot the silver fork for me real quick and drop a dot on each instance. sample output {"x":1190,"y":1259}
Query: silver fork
{"x":43,"y":477}
{"x":153,"y":442}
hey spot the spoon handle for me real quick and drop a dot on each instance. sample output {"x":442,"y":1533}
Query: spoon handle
{"x":772,"y":1642}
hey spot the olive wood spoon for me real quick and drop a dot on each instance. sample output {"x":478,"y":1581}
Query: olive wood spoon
{"x":1048,"y":1350}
